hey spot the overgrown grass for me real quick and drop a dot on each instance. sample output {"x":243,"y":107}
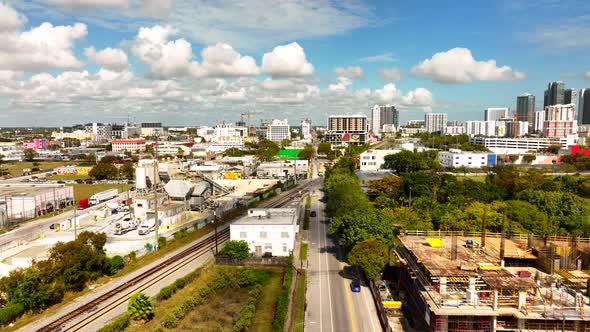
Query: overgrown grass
{"x":16,"y":168}
{"x":278,"y":323}
{"x":303,"y":252}
{"x":299,"y":307}
{"x":83,"y":190}
{"x":474,"y":178}
{"x":67,"y":177}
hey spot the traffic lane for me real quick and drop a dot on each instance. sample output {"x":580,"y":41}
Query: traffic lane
{"x":314,"y":296}
{"x":364,"y":307}
{"x":340,"y":311}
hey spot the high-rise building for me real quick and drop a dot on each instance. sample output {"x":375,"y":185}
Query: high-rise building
{"x":278,"y":130}
{"x":525,"y":109}
{"x":560,"y":120}
{"x":584,"y":107}
{"x":555,"y":94}
{"x":570,"y":96}
{"x":347,"y":129}
{"x":383,"y":115}
{"x":306,"y":129}
{"x":435,"y":122}
{"x":495,"y":113}
{"x":539,"y":121}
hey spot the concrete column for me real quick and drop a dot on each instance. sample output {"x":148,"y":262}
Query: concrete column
{"x":521,"y":299}
{"x":494,"y":323}
{"x":520,"y":324}
{"x":495,"y":300}
{"x":443,"y":285}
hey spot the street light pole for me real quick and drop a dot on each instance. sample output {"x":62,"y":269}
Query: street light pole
{"x":214,"y":222}
{"x":155,"y":187}
{"x":75,"y":223}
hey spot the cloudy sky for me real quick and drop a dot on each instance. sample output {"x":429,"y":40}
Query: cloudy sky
{"x":190,"y":62}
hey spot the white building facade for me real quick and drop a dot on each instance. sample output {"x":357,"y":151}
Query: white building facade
{"x":278,"y":130}
{"x":373,"y":160}
{"x":435,"y":122}
{"x":496,"y":113}
{"x":306,"y":129}
{"x":267,"y":231}
{"x":501,"y":145}
{"x":560,"y":120}
{"x":457,"y":158}
{"x":130,"y":145}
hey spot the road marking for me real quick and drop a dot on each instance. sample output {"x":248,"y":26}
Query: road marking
{"x":320,"y":271}
{"x":348,"y":301}
{"x":328,"y":274}
{"x":363,"y":294}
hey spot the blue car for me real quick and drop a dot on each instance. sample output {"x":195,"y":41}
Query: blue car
{"x":355,"y":286}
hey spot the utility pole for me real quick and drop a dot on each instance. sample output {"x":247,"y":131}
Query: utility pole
{"x":75,"y":223}
{"x":155,"y":188}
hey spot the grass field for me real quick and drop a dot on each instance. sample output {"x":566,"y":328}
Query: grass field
{"x":474,"y":178}
{"x":220,"y":310}
{"x":299,"y":307}
{"x":303,"y":253}
{"x":66,"y":177}
{"x":87,"y":190}
{"x":16,"y":168}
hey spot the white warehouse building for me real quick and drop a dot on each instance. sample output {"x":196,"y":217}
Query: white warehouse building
{"x":457,"y":158}
{"x":267,"y":231}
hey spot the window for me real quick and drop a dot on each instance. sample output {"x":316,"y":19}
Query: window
{"x":284,"y":235}
{"x":243,"y":235}
{"x":284,"y":247}
{"x":268,"y":246}
{"x":263,"y":235}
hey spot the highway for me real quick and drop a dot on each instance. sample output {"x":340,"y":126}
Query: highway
{"x":331,"y":306}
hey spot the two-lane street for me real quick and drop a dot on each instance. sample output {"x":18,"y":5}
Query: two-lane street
{"x":331,"y":306}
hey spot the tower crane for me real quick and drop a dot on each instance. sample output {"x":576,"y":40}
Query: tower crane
{"x":248,"y":114}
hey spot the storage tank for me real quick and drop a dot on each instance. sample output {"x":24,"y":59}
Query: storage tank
{"x":140,"y":181}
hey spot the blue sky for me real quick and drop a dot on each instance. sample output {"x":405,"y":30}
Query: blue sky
{"x":287,"y":59}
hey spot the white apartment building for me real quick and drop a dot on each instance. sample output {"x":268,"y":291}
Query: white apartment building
{"x":172,"y":149}
{"x":267,"y":231}
{"x":81,"y":135}
{"x":151,"y":129}
{"x":306,"y":129}
{"x":278,"y":130}
{"x":435,"y":122}
{"x":516,"y":129}
{"x":347,"y":129}
{"x":500,"y":145}
{"x":482,"y":128}
{"x":373,"y":160}
{"x":457,"y":158}
{"x":496,"y":113}
{"x":539,"y":121}
{"x":560,"y":120}
{"x":454,"y":130}
{"x":130,"y":145}
{"x":99,"y":132}
{"x":11,"y":152}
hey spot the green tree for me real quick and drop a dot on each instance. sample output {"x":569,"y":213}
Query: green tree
{"x":103,"y":171}
{"x":234,"y":152}
{"x":389,"y":186}
{"x":127,"y":170}
{"x":266,"y":149}
{"x":285,"y":143}
{"x":410,"y":161}
{"x":372,"y":256}
{"x":29,"y":154}
{"x":307,"y":153}
{"x":529,"y":158}
{"x":236,"y":249}
{"x":324,"y":148}
{"x":115,"y":264}
{"x":140,"y":308}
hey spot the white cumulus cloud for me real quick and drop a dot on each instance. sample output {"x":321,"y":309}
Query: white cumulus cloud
{"x":10,"y":19}
{"x":43,"y":47}
{"x":109,"y":58}
{"x":457,"y":65}
{"x":419,"y":97}
{"x":350,"y":72}
{"x":390,"y":74}
{"x":90,"y":3}
{"x":287,"y":60}
{"x":9,"y":75}
{"x":342,"y":84}
{"x":157,"y":8}
{"x":222,"y":60}
{"x":164,"y":58}
{"x":587,"y":74}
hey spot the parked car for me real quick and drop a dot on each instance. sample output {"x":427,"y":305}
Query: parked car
{"x":313,"y":214}
{"x":355,"y":286}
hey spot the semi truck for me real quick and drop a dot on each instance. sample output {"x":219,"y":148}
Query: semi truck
{"x":83,"y":204}
{"x":103,"y":196}
{"x":125,"y":225}
{"x":146,"y":227}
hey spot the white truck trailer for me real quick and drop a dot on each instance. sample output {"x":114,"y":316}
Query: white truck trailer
{"x":103,"y":196}
{"x":125,"y":225}
{"x":146,"y":227}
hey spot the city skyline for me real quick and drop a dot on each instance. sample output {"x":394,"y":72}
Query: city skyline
{"x":167,"y":61}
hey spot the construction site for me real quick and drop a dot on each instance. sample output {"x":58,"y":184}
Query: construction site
{"x":468,"y":282}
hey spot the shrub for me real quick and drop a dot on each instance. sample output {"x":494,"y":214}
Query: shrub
{"x":283,"y":300}
{"x":116,"y":263}
{"x":119,"y":325}
{"x":11,"y":312}
{"x":170,"y":321}
{"x":165,"y":293}
{"x":161,"y":242}
{"x":140,"y":307}
{"x":236,"y":249}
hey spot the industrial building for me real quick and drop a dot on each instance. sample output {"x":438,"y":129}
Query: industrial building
{"x":267,"y":231}
{"x":456,"y":282}
{"x":27,"y":201}
{"x":457,"y":158}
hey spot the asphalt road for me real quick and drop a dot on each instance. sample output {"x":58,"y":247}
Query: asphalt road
{"x":331,"y":306}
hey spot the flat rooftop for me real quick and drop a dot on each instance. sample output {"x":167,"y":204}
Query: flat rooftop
{"x":10,"y":189}
{"x":280,"y":216}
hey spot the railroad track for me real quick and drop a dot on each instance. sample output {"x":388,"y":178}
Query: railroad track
{"x":120,"y":294}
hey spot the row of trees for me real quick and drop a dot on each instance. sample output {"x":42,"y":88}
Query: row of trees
{"x":69,"y":267}
{"x":106,"y":169}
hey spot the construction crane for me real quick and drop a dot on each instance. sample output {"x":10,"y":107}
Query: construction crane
{"x":248,"y":114}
